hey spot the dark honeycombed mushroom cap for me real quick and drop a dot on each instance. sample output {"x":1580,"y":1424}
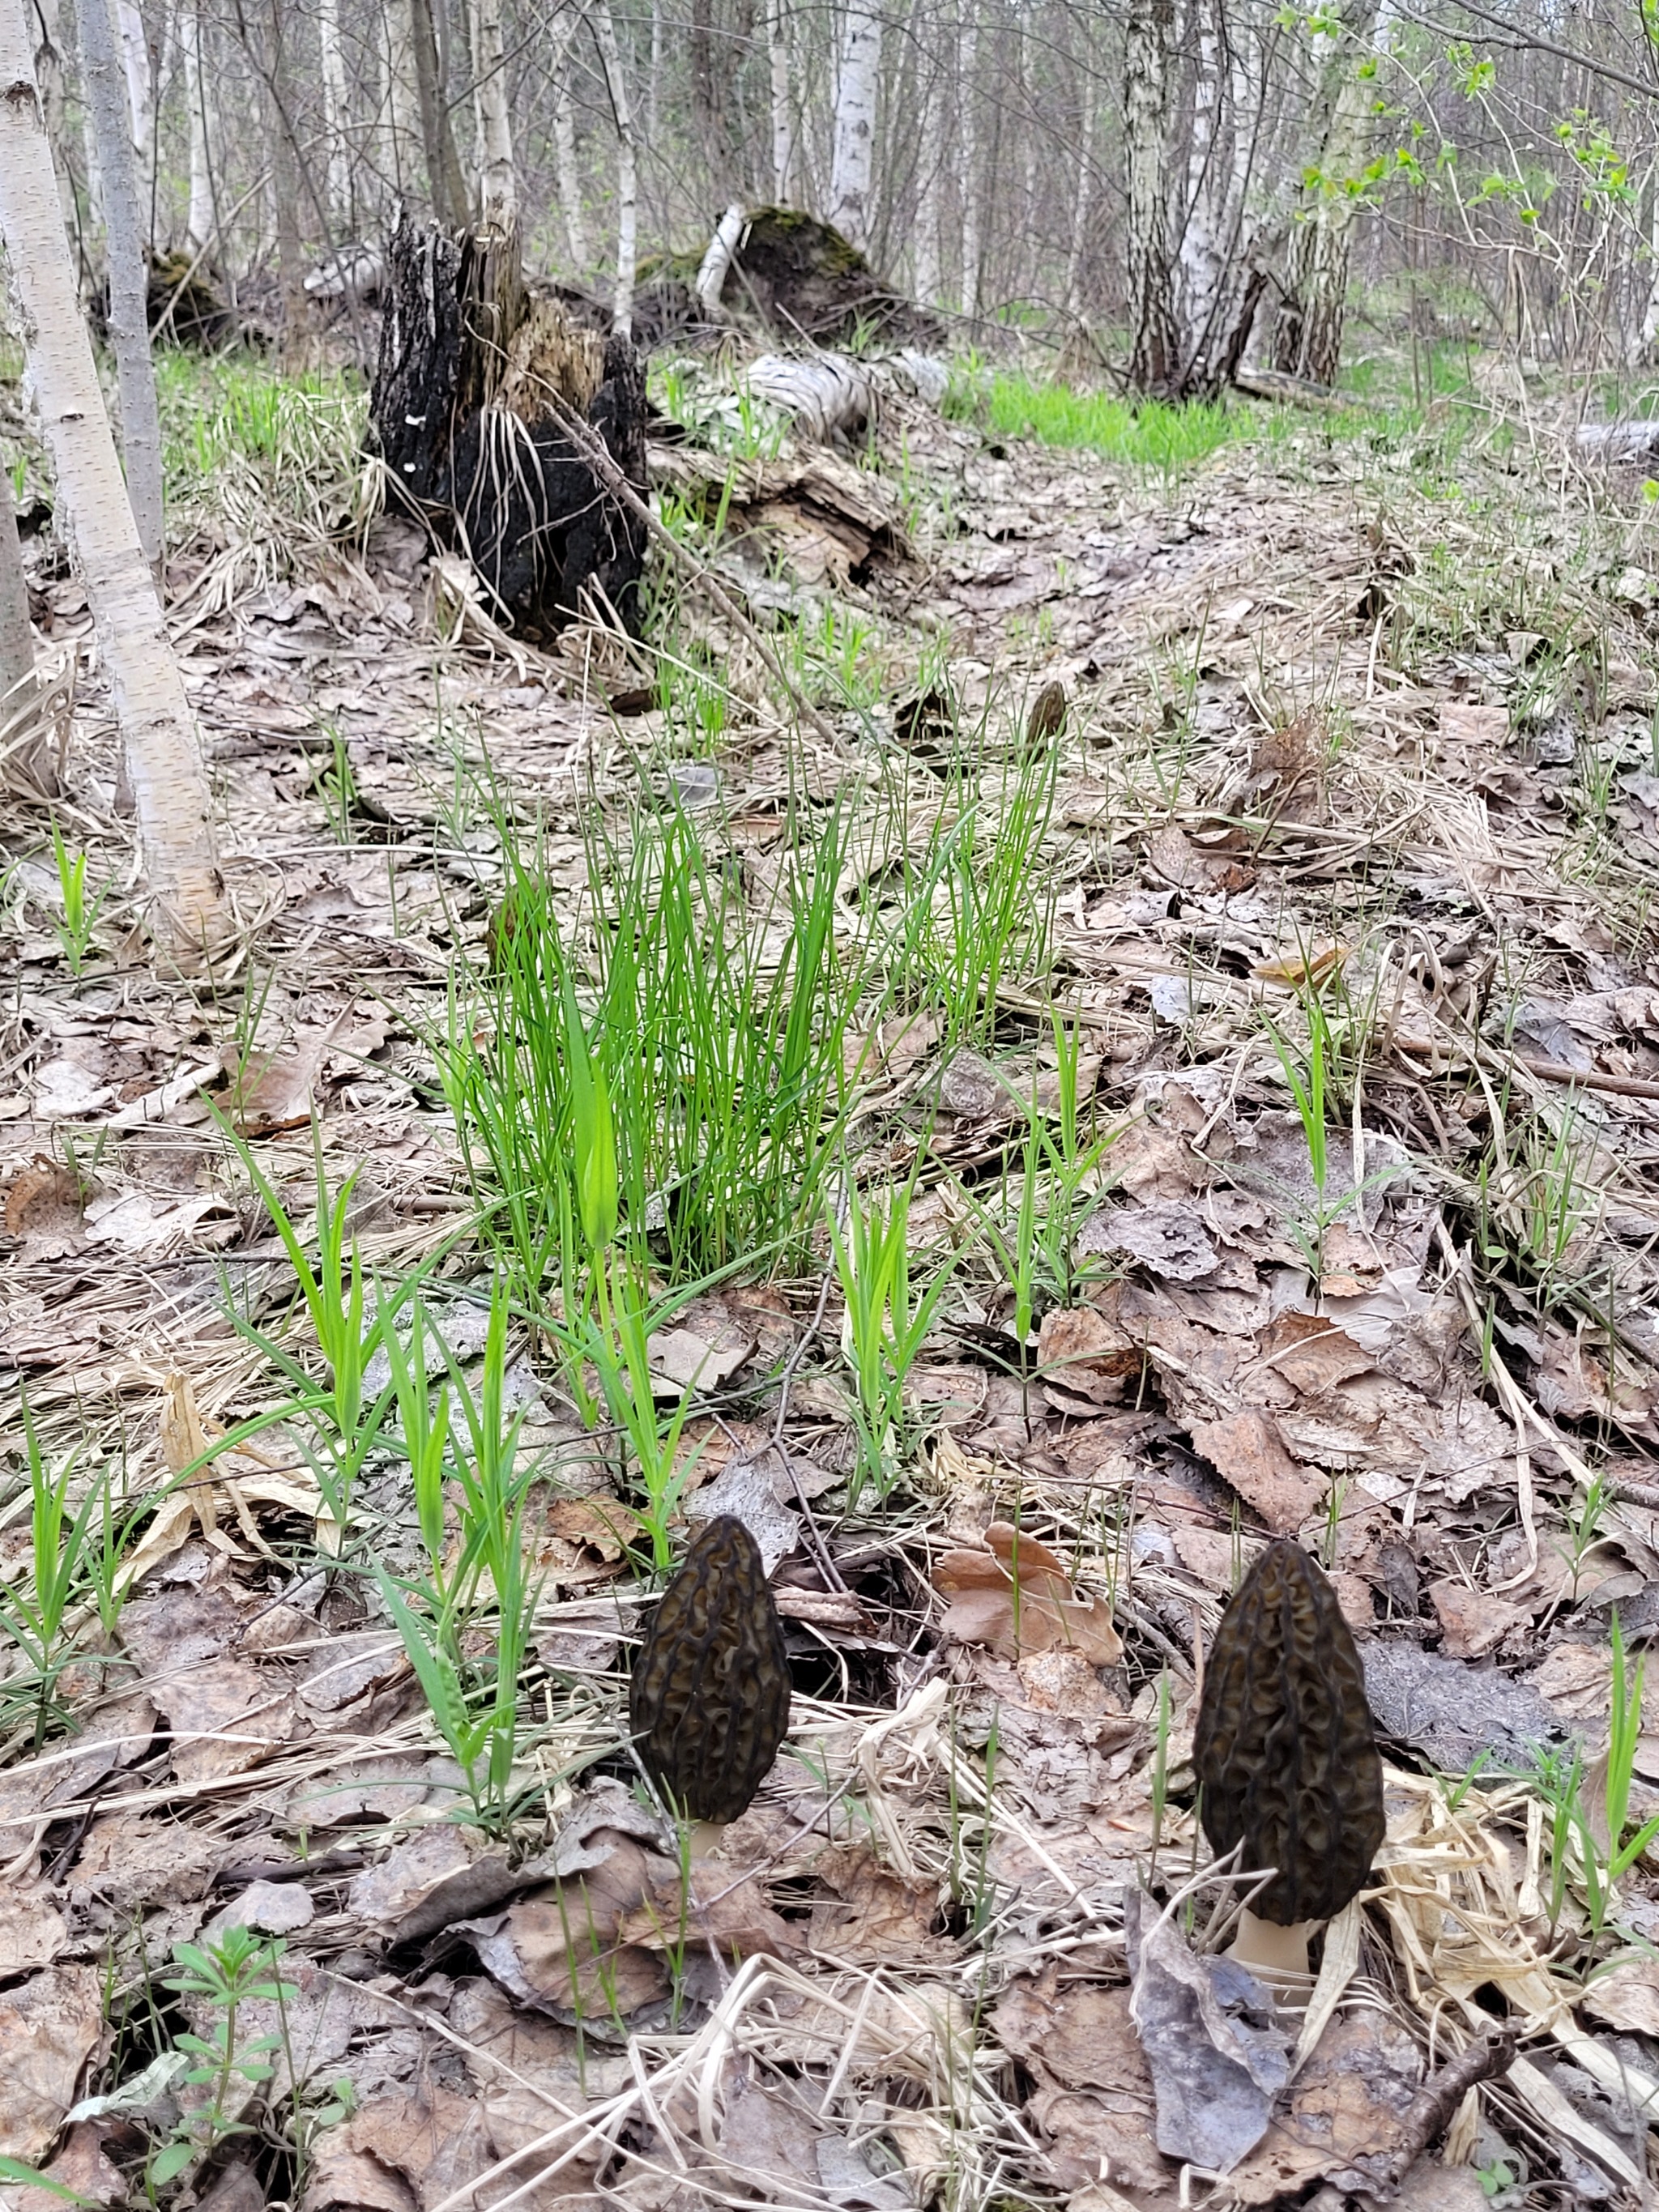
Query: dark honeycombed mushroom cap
{"x":709,"y":1700}
{"x":1285,"y":1749}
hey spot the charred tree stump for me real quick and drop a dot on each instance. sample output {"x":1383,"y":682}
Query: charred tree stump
{"x":477,"y":379}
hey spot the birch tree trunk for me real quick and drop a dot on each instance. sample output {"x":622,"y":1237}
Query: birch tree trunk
{"x":851,"y":155}
{"x":929,"y":278}
{"x":1082,"y":216}
{"x":1313,"y":303}
{"x":336,"y":116}
{"x":165,"y":764}
{"x":783,"y":120}
{"x":141,"y":104}
{"x":498,"y":188}
{"x":1148,"y":37}
{"x":129,"y":276}
{"x":569,"y":176}
{"x":968,"y":137}
{"x":628,"y":170}
{"x":202,"y":220}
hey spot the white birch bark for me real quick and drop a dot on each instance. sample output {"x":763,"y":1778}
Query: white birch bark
{"x":653,"y":84}
{"x":163,"y":746}
{"x":1082,"y":215}
{"x":141,"y":103}
{"x":128,"y":276}
{"x":1148,"y":42}
{"x":564,"y":161}
{"x":717,"y":261}
{"x":498,"y":187}
{"x":853,"y":150}
{"x":628,"y":169}
{"x":336,"y":116}
{"x":202,"y":220}
{"x":929,"y":278}
{"x":783,"y":119}
{"x":968,"y":140}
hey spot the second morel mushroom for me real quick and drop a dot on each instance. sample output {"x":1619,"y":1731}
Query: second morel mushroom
{"x":709,"y":1700}
{"x":1286,"y":1755}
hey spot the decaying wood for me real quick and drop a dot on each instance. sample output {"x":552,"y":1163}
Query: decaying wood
{"x":475,"y":382}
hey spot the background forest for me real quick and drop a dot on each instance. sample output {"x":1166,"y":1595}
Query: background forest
{"x":828,"y":1106}
{"x":1016,"y":168}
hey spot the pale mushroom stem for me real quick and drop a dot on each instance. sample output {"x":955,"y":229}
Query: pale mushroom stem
{"x":1275,"y":1955}
{"x":703,"y":1838}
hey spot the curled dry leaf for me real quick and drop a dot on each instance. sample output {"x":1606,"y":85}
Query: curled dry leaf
{"x":1017,"y":1597}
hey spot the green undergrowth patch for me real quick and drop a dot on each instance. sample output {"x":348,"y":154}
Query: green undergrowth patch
{"x":1146,"y":433}
{"x":264,"y":466}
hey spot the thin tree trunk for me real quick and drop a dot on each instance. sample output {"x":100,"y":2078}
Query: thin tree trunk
{"x":852,"y":152}
{"x":201,"y":221}
{"x":165,"y":764}
{"x":128,"y":276}
{"x":1148,"y":37}
{"x":564,"y":158}
{"x":654,"y":87}
{"x":407,"y":166}
{"x":628,"y":176}
{"x":140,"y":77}
{"x":1313,"y":306}
{"x":928,"y":275}
{"x":16,"y":639}
{"x":498,"y":187}
{"x":49,"y":76}
{"x":337,"y":117}
{"x":783,"y":121}
{"x":1082,"y":215}
{"x":266,"y":45}
{"x":443,"y":166}
{"x":967,"y":112}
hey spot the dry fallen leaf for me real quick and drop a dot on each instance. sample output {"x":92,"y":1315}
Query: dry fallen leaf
{"x":1017,"y":1596}
{"x":49,"y":2028}
{"x":1083,"y":1354}
{"x":1247,"y":1449}
{"x":1301,"y":969}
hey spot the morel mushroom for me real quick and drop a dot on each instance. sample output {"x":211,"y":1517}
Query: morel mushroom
{"x":1286,"y":1756}
{"x":709,"y":1701}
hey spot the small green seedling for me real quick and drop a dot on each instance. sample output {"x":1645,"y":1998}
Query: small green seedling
{"x":74,"y":933}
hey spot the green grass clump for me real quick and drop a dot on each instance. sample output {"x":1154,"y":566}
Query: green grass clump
{"x":1145,"y":434}
{"x":264,"y":466}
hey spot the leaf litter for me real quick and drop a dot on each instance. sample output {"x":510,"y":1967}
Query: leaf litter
{"x":1329,"y":1050}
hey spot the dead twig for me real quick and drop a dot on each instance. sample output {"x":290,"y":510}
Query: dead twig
{"x":599,"y":458}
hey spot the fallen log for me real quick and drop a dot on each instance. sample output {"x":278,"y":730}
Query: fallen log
{"x":1618,"y":444}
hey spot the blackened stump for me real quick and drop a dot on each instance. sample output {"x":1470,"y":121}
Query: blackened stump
{"x":1285,"y":1749}
{"x":709,"y":1700}
{"x":469,"y":412}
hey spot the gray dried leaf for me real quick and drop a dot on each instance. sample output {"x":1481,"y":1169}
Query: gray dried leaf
{"x":1169,"y":1239}
{"x":1452,"y":1711}
{"x":1217,"y":2061}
